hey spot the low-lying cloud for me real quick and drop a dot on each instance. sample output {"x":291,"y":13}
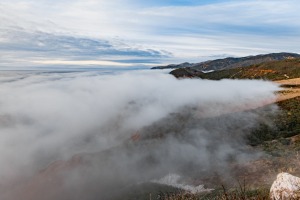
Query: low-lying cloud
{"x":124,"y":128}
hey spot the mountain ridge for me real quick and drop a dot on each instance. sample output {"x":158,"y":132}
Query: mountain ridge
{"x":273,"y":70}
{"x":232,"y":62}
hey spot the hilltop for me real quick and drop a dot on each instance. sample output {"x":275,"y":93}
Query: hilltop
{"x":232,"y":62}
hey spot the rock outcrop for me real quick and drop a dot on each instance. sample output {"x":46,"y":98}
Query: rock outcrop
{"x":285,"y":187}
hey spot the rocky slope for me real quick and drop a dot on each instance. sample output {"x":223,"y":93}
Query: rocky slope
{"x":231,"y":62}
{"x":286,"y":187}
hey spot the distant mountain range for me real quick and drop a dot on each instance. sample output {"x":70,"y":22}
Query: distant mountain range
{"x":230,"y":62}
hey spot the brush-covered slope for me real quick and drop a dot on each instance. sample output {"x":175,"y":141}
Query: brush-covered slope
{"x":231,"y":62}
{"x":284,"y":72}
{"x":284,"y":125}
{"x":275,"y":70}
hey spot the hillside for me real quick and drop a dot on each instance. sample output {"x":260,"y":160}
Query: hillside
{"x":274,"y":70}
{"x":286,"y":73}
{"x":278,"y":138}
{"x":175,"y":66}
{"x":231,"y":62}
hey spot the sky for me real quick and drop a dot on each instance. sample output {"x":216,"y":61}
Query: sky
{"x":130,"y":33}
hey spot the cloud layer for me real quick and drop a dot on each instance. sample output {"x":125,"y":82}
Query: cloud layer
{"x":180,"y":126}
{"x":45,"y":48}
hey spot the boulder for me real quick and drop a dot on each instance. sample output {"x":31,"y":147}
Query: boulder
{"x":285,"y":187}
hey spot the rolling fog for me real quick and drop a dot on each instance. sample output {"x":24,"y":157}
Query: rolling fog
{"x":127,"y":129}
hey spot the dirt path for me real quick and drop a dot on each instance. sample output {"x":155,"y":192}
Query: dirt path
{"x":291,"y":89}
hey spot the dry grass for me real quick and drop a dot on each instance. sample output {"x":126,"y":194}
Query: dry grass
{"x":241,"y":193}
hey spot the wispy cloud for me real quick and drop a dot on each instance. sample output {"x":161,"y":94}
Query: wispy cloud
{"x":31,"y":48}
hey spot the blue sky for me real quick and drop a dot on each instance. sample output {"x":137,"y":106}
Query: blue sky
{"x":124,"y":33}
{"x":157,"y":3}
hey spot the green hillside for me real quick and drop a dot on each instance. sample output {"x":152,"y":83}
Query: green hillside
{"x":284,"y":125}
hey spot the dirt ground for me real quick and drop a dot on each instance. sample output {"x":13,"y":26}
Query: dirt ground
{"x":291,"y":89}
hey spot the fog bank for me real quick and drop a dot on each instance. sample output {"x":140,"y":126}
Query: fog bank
{"x":126,"y":128}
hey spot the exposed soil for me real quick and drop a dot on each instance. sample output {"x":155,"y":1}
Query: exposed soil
{"x":291,"y":89}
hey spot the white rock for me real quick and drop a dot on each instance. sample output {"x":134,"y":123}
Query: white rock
{"x":285,"y":187}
